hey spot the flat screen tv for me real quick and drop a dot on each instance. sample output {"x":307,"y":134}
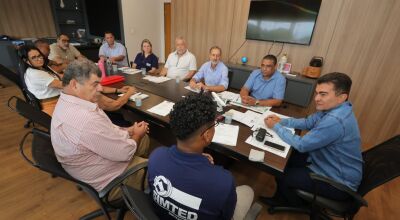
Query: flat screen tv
{"x":287,"y":21}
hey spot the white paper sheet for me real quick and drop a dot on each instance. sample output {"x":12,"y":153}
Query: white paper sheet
{"x":157,"y":79}
{"x":226,"y":134}
{"x":163,"y":109}
{"x":260,"y":109}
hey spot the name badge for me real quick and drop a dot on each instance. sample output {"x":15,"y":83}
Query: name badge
{"x":148,"y":64}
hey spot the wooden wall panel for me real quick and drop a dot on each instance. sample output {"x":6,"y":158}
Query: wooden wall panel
{"x":203,"y":24}
{"x":26,"y":19}
{"x":357,"y":37}
{"x":366,"y":46}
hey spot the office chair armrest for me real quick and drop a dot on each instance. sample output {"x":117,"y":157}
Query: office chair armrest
{"x":10,"y":105}
{"x":21,"y":148}
{"x":118,"y":180}
{"x":340,"y":187}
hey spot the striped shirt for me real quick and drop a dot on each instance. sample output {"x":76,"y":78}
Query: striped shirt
{"x":87,"y":144}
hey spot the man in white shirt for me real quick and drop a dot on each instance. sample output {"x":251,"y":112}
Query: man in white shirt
{"x":113,"y":50}
{"x":180,"y":63}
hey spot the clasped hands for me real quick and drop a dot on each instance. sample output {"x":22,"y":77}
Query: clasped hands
{"x":271,"y":120}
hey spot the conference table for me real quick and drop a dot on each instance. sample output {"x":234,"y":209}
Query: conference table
{"x":173,"y":91}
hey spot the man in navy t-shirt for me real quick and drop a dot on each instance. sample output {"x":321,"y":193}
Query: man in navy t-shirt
{"x":184,"y":182}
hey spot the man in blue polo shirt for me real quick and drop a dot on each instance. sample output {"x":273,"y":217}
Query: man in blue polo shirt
{"x":184,"y":182}
{"x":213,"y":75}
{"x":331,"y":148}
{"x":113,"y":50}
{"x":265,"y":86}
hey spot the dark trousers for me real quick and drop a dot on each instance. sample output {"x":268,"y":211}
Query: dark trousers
{"x":297,"y":176}
{"x":118,"y":119}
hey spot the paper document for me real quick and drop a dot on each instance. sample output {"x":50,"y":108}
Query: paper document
{"x":157,"y":79}
{"x":226,"y":134}
{"x":193,"y":90}
{"x":139,"y":94}
{"x":252,"y":141}
{"x":163,"y":109}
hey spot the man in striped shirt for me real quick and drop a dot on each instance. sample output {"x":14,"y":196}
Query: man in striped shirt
{"x":87,"y":144}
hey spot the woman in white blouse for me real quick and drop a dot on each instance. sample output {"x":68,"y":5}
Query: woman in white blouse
{"x":39,"y":79}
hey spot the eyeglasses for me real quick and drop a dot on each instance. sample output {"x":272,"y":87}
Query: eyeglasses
{"x":215,"y":124}
{"x":36,"y":58}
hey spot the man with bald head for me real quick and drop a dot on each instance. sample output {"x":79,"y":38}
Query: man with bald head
{"x":180,"y":63}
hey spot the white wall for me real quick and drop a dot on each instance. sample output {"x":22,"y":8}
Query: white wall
{"x":143,"y":19}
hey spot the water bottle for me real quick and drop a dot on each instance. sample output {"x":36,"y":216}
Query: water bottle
{"x":109,"y":67}
{"x":282,"y":62}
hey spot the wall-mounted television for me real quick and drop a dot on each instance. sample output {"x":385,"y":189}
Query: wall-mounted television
{"x":287,"y":21}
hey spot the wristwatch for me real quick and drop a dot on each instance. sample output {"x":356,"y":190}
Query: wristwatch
{"x":257,"y":102}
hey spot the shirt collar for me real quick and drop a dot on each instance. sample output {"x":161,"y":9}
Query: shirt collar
{"x":78,"y":101}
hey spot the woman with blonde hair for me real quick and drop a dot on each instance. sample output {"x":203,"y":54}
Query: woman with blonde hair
{"x":146,"y":58}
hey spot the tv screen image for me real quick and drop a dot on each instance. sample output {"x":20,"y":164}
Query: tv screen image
{"x":287,"y":21}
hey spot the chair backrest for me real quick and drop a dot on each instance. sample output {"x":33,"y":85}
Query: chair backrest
{"x":381,"y":164}
{"x":29,"y":112}
{"x":10,"y":75}
{"x":45,"y":159}
{"x":139,"y":203}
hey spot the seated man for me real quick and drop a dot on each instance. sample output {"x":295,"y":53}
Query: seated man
{"x":184,"y":182}
{"x":63,"y":51}
{"x":112,"y":50}
{"x":180,"y":63}
{"x":44,"y":47}
{"x":88,"y":146}
{"x":331,"y":148}
{"x":213,"y":75}
{"x":265,"y":86}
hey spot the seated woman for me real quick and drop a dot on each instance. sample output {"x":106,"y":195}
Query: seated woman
{"x":46,"y":85}
{"x":43,"y":83}
{"x":146,"y":58}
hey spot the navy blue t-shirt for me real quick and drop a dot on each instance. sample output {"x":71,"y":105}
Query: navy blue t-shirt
{"x":146,"y":62}
{"x":188,"y":186}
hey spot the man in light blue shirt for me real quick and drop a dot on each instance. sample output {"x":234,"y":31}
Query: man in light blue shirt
{"x":265,"y":86}
{"x":331,"y":148}
{"x":113,"y":50}
{"x":213,"y":75}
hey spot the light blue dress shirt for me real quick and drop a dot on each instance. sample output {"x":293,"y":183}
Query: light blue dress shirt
{"x":117,"y":50}
{"x":213,"y":77}
{"x":333,"y":143}
{"x":272,"y":88}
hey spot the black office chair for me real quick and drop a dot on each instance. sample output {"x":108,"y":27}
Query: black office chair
{"x":139,"y":203}
{"x":43,"y":157}
{"x":381,"y":164}
{"x":29,"y":112}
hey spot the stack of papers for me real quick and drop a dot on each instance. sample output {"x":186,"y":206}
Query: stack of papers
{"x":128,"y":70}
{"x":260,"y":109}
{"x":193,"y":90}
{"x":163,"y":109}
{"x":139,"y":94}
{"x":233,"y":97}
{"x":226,"y":134}
{"x":249,"y":118}
{"x":156,"y":79}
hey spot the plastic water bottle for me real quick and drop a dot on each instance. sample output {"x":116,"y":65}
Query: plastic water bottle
{"x":109,"y":67}
{"x":282,"y":62}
